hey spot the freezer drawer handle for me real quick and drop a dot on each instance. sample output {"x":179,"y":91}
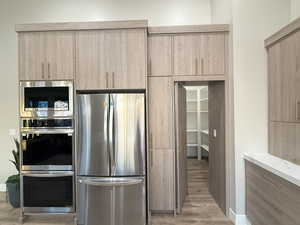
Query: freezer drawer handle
{"x":111,"y":183}
{"x":48,"y":175}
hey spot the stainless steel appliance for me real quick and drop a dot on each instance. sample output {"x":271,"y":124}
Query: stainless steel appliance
{"x":46,"y":98}
{"x":111,"y":159}
{"x":47,"y":191}
{"x":47,"y":144}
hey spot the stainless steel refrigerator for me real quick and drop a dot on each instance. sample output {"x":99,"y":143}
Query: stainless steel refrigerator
{"x":111,"y":159}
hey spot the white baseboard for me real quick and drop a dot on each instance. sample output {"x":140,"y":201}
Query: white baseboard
{"x":238,"y":219}
{"x":2,"y":187}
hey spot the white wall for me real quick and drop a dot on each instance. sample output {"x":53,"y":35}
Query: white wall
{"x":167,"y":12}
{"x":295,"y":9}
{"x":221,"y":11}
{"x":253,"y":22}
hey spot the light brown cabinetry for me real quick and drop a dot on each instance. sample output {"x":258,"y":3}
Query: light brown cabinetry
{"x":109,"y":59}
{"x":46,"y":55}
{"x":270,"y":199}
{"x":161,"y":126}
{"x":284,"y":79}
{"x":162,"y":193}
{"x":160,"y":55}
{"x":285,"y":141}
{"x":199,"y":54}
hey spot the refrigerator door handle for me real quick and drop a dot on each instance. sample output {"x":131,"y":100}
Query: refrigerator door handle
{"x":102,"y":183}
{"x":111,"y":135}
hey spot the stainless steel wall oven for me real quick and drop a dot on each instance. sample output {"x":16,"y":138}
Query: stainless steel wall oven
{"x":47,"y":191}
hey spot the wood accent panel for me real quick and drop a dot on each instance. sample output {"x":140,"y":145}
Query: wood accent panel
{"x":270,"y":199}
{"x":181,"y":145}
{"x":285,"y":141}
{"x":186,"y":49}
{"x":97,"y":25}
{"x":212,"y":52}
{"x":160,"y":55}
{"x":162,"y":180}
{"x":160,"y":90}
{"x":199,"y":78}
{"x":91,"y":60}
{"x":189,"y":29}
{"x":282,"y":33}
{"x":32,"y":56}
{"x":217,"y":160}
{"x":60,"y":52}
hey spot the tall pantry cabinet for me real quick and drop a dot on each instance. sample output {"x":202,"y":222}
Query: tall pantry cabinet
{"x":284,"y":97}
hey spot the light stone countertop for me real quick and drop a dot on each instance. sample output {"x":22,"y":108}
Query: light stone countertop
{"x":282,"y":168}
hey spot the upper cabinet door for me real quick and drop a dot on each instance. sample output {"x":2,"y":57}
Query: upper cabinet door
{"x":91,"y":60}
{"x":127,"y":59}
{"x":212,"y":54}
{"x":60,"y":52}
{"x":160,"y":55}
{"x":32,"y":64}
{"x":282,"y":80}
{"x":160,"y":112}
{"x":186,"y":51}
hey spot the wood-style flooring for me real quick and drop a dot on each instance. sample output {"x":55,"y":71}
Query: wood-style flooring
{"x":199,"y":207}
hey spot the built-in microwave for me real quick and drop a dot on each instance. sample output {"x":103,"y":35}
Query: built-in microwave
{"x":47,"y":192}
{"x":46,"y":99}
{"x":47,"y":144}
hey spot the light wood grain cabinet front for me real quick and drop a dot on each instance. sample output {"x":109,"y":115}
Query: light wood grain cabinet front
{"x":199,"y":54}
{"x":162,"y":193}
{"x":270,"y":199}
{"x":46,"y":55}
{"x":91,"y":60}
{"x":160,"y":112}
{"x":284,"y":79}
{"x":111,"y":59}
{"x":160,"y":55}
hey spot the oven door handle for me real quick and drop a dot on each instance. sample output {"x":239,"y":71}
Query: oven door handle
{"x":126,"y":182}
{"x":47,"y":175}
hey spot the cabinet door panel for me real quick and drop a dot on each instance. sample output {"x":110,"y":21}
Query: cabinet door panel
{"x":60,"y":48}
{"x":186,"y":50}
{"x":160,"y":55}
{"x":212,"y":54}
{"x":91,"y":60}
{"x":162,"y":195}
{"x":31,"y":56}
{"x":161,"y":112}
{"x":127,"y":60}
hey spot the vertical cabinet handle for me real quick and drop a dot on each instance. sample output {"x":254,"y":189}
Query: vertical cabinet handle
{"x":48,"y":70}
{"x":43,"y":70}
{"x":202,"y":66}
{"x":106,"y":79}
{"x":113,"y":79}
{"x":297,"y":110}
{"x":150,"y":67}
{"x":196,"y":66}
{"x":151,"y":158}
{"x":151,"y":141}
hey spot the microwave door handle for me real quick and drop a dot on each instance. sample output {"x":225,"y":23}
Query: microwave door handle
{"x":111,"y":183}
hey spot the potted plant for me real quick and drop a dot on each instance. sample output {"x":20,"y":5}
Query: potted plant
{"x":13,"y":182}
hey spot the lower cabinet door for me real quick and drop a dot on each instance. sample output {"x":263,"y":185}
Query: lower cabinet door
{"x":111,"y":201}
{"x":162,"y":187}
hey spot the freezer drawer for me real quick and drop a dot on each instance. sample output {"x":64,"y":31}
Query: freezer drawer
{"x":111,"y":201}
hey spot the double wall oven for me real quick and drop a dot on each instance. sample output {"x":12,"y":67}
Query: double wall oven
{"x":47,"y":147}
